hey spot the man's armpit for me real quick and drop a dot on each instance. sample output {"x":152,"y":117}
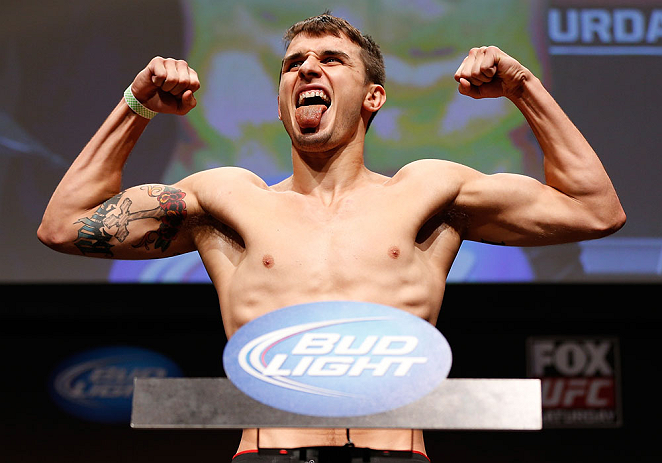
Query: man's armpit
{"x":496,"y":243}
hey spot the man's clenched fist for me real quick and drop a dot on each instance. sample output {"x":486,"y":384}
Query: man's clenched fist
{"x":488,"y":72}
{"x":166,"y":85}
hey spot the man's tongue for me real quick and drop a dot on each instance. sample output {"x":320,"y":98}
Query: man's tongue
{"x":309,"y":116}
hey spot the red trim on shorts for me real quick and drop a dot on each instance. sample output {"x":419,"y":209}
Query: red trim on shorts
{"x":421,"y":453}
{"x":284,"y":452}
{"x":243,"y":452}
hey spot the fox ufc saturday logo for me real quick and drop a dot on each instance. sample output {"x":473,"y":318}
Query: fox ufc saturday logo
{"x":579,"y":379}
{"x":337,"y":358}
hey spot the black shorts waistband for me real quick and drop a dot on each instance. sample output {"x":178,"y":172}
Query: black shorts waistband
{"x":330,"y":455}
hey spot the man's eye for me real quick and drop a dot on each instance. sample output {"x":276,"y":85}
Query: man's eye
{"x":294,"y":65}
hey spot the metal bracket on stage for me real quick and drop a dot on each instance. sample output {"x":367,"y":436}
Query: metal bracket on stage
{"x":457,"y":404}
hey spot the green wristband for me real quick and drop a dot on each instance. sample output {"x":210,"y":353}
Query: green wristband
{"x":136,"y":106}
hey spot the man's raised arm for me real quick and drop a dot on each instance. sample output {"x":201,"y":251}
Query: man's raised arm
{"x":577,"y":201}
{"x":89,"y":215}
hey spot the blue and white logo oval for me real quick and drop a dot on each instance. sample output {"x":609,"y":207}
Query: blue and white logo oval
{"x":97,"y":385}
{"x":337,"y":358}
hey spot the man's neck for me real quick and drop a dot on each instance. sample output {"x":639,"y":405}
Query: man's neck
{"x":328,"y":175}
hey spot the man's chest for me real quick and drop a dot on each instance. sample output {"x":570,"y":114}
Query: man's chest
{"x":356,"y":226}
{"x":296,"y":242}
{"x":358,"y":257}
{"x":359,"y":249}
{"x":374,"y":229}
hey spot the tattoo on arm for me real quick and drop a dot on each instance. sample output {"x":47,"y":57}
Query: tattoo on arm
{"x":92,"y":239}
{"x":171,"y":212}
{"x":111,"y":221}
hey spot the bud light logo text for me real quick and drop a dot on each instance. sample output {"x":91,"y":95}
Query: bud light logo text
{"x":337,"y":358}
{"x":97,"y":385}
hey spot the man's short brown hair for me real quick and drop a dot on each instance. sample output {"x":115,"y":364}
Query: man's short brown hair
{"x":326,"y":23}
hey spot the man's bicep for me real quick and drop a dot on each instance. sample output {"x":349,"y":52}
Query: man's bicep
{"x":515,"y":210}
{"x":143,"y":222}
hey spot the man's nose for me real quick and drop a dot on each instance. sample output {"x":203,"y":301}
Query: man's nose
{"x":310,"y":68}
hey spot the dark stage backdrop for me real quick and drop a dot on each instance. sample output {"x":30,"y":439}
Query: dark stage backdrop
{"x":64,"y":65}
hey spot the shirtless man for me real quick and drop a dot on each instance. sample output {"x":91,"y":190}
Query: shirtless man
{"x":334,"y":230}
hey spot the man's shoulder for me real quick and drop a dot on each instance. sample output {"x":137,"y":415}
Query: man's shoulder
{"x":219,"y":188}
{"x":225,"y":194}
{"x":423,"y":169}
{"x":223,"y":179}
{"x":430,"y":185}
{"x":230,"y":174}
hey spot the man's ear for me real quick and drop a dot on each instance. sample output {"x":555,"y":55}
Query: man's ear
{"x":278,"y":106}
{"x":375,"y":98}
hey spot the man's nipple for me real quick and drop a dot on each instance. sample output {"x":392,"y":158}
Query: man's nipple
{"x":268,"y":261}
{"x":394,"y":252}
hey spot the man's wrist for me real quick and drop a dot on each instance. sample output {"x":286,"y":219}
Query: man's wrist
{"x":136,"y":106}
{"x":529,"y":88}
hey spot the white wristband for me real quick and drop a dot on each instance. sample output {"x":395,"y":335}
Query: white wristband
{"x":136,"y":106}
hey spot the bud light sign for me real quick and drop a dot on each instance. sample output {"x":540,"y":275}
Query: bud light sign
{"x":97,"y":385}
{"x":337,"y":358}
